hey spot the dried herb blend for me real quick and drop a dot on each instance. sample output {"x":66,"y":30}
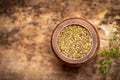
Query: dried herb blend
{"x":74,"y":41}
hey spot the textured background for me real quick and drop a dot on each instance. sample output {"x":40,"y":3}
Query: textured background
{"x":26,"y":27}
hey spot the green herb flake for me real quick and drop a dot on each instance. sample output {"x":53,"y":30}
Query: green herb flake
{"x":114,"y":51}
{"x":104,"y":52}
{"x":115,"y":32}
{"x":110,"y":60}
{"x":105,"y":69}
{"x":115,"y":38}
{"x":102,"y":62}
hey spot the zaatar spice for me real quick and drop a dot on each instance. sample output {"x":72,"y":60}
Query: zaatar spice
{"x":74,"y":41}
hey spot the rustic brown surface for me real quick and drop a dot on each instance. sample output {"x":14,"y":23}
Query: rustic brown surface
{"x":25,"y":36}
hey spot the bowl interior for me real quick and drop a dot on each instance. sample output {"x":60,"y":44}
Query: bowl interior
{"x":74,"y":41}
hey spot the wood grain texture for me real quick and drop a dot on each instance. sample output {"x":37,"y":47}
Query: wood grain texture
{"x":25,"y":37}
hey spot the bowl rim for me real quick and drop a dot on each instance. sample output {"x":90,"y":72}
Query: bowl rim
{"x":84,"y":23}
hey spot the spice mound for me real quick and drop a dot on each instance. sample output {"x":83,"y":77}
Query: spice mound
{"x":74,"y":41}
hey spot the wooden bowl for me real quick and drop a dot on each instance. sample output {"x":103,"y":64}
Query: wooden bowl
{"x":89,"y":27}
